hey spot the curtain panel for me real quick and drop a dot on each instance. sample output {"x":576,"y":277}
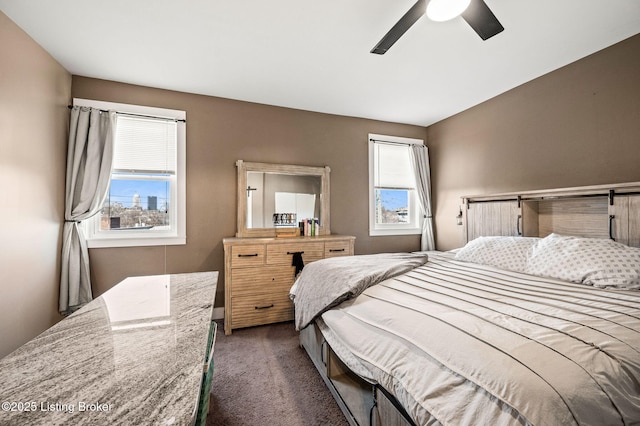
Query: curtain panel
{"x":89,"y":159}
{"x":420,"y":160}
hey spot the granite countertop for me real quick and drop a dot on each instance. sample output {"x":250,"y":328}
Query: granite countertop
{"x":133,"y":356}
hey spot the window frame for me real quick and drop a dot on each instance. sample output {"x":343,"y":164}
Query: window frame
{"x":176,"y":235}
{"x":413,"y":227}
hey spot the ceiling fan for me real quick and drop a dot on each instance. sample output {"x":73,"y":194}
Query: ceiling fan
{"x":475,"y":12}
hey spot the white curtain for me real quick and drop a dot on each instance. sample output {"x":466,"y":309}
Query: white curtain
{"x":89,"y":158}
{"x":420,"y":161}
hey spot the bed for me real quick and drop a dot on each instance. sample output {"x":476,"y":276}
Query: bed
{"x":507,"y":330}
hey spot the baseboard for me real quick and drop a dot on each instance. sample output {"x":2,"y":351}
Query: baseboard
{"x":218,"y":313}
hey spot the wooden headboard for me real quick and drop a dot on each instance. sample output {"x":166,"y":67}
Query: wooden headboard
{"x":602,"y":211}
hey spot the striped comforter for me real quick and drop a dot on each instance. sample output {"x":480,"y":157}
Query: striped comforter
{"x":465,"y":344}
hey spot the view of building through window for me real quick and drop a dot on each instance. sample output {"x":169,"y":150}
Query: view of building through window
{"x":392,"y":206}
{"x":136,"y":204}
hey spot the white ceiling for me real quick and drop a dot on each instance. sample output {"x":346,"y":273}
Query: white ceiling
{"x":314,"y":55}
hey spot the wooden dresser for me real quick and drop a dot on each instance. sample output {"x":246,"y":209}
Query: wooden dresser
{"x":259,"y":274}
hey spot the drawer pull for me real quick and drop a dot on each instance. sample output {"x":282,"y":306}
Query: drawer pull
{"x":264,"y":307}
{"x":611,"y":218}
{"x":295,"y":252}
{"x":248,"y":255}
{"x":335,"y":250}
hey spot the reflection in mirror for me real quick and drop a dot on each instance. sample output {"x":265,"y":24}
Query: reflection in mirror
{"x":275,"y":199}
{"x":275,"y":196}
{"x":292,"y":207}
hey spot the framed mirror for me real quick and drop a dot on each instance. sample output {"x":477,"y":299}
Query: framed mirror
{"x":273,"y":198}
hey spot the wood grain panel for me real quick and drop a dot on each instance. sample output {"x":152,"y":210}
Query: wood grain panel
{"x":529,"y":224}
{"x":634,"y":221}
{"x":356,"y":393}
{"x":583,"y":217}
{"x":386,"y":413}
{"x":498,"y":218}
{"x":247,"y":255}
{"x":261,"y":309}
{"x":281,"y":254}
{"x":338,"y":248}
{"x":312,"y":340}
{"x":254,"y":281}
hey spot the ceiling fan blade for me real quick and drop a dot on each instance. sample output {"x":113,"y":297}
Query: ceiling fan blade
{"x":409,"y":18}
{"x":482,"y":20}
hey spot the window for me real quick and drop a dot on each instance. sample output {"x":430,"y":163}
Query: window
{"x":145,"y":204}
{"x":393,"y":203}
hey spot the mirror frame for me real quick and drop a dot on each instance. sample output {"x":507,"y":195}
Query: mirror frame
{"x":245,"y":167}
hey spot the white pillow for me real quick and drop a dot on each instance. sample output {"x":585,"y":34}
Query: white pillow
{"x":511,"y":253}
{"x":593,"y":261}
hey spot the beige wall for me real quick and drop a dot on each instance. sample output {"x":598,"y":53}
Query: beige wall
{"x":34,"y":94}
{"x":579,"y":125}
{"x":221,"y":131}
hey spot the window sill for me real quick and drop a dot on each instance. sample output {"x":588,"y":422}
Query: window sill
{"x":392,"y":232}
{"x":135,"y":242}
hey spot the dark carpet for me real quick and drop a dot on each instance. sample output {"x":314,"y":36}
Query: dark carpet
{"x":263,"y":377}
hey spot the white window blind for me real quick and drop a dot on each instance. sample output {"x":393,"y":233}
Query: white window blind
{"x":393,"y":169}
{"x":393,"y":205}
{"x":145,"y":145}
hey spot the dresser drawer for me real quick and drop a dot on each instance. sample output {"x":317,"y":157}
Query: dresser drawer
{"x":282,"y":254}
{"x":268,"y":279}
{"x":243,"y":256}
{"x":264,"y":309}
{"x":337,"y":248}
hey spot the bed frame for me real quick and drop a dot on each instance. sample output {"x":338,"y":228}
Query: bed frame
{"x":361,"y":402}
{"x":603,"y":211}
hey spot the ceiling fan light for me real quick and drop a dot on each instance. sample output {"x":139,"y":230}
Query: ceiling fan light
{"x":444,"y":10}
